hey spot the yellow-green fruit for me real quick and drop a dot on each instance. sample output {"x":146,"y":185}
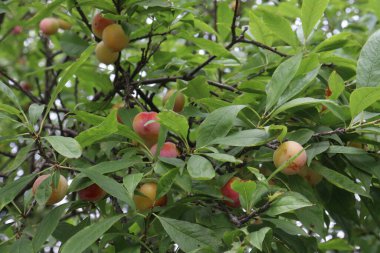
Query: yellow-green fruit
{"x":49,"y":26}
{"x":179,"y":100}
{"x":311,"y":176}
{"x":286,"y":151}
{"x":104,"y":54}
{"x":57,"y":194}
{"x":64,"y":24}
{"x":148,"y":199}
{"x":115,"y":38}
{"x":99,"y":23}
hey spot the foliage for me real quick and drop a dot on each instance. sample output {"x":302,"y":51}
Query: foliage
{"x":254,"y":73}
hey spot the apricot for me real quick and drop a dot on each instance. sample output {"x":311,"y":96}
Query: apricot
{"x":63,"y":24}
{"x":148,"y":200}
{"x":287,"y":150}
{"x":99,"y":23}
{"x":105,"y":55}
{"x":115,"y":38}
{"x":168,"y":150}
{"x":148,"y":132}
{"x":179,"y":100}
{"x":92,"y":193}
{"x":16,"y":30}
{"x":49,"y":26}
{"x":57,"y":194}
{"x":26,"y":86}
{"x":311,"y":176}
{"x":228,"y":192}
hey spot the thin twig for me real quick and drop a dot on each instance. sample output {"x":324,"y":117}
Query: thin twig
{"x":261,"y":45}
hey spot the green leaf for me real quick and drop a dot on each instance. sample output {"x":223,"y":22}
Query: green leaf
{"x":362,"y":98}
{"x":258,"y":29}
{"x":281,"y":79}
{"x":334,"y":149}
{"x":307,"y":101}
{"x":312,"y":12}
{"x":334,"y":42}
{"x":298,"y":85}
{"x":204,"y":27}
{"x":131,"y":181}
{"x":189,"y":236}
{"x":44,"y":191}
{"x":373,"y":6}
{"x":66,"y":75}
{"x":223,"y":157}
{"x":368,"y":68}
{"x":287,"y":226}
{"x":224,"y":18}
{"x":110,"y":186}
{"x":316,"y":149}
{"x":21,"y":156}
{"x":9,"y":93}
{"x":72,"y":44}
{"x":87,"y":236}
{"x":256,"y":239}
{"x":200,"y":168}
{"x":10,"y":110}
{"x":287,"y":202}
{"x":339,"y":180}
{"x":22,"y":245}
{"x":335,"y":244}
{"x":245,"y":138}
{"x":212,"y":47}
{"x":45,"y":11}
{"x":165,"y":183}
{"x":174,"y":122}
{"x":198,"y":88}
{"x":101,"y":131}
{"x":11,"y":189}
{"x":336,"y":85}
{"x":217,"y":124}
{"x":35,"y":111}
{"x":280,"y":27}
{"x":302,"y":135}
{"x":66,"y":146}
{"x":47,"y":226}
{"x":246,"y":190}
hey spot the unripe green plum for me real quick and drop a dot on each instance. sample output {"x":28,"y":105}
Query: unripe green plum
{"x":148,"y":132}
{"x":49,"y":26}
{"x":57,"y":194}
{"x":115,"y":38}
{"x":311,"y":176}
{"x":99,"y":23}
{"x":148,"y":200}
{"x":169,"y":150}
{"x":92,"y":193}
{"x":287,"y":150}
{"x":228,"y":192}
{"x":104,"y":54}
{"x":179,"y":100}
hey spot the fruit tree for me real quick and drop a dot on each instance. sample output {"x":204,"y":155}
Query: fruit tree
{"x":189,"y":126}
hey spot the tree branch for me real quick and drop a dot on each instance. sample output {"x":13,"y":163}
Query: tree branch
{"x":18,"y":86}
{"x":261,"y":45}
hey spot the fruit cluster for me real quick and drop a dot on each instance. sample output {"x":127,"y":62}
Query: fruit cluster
{"x":289,"y":154}
{"x":113,"y":38}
